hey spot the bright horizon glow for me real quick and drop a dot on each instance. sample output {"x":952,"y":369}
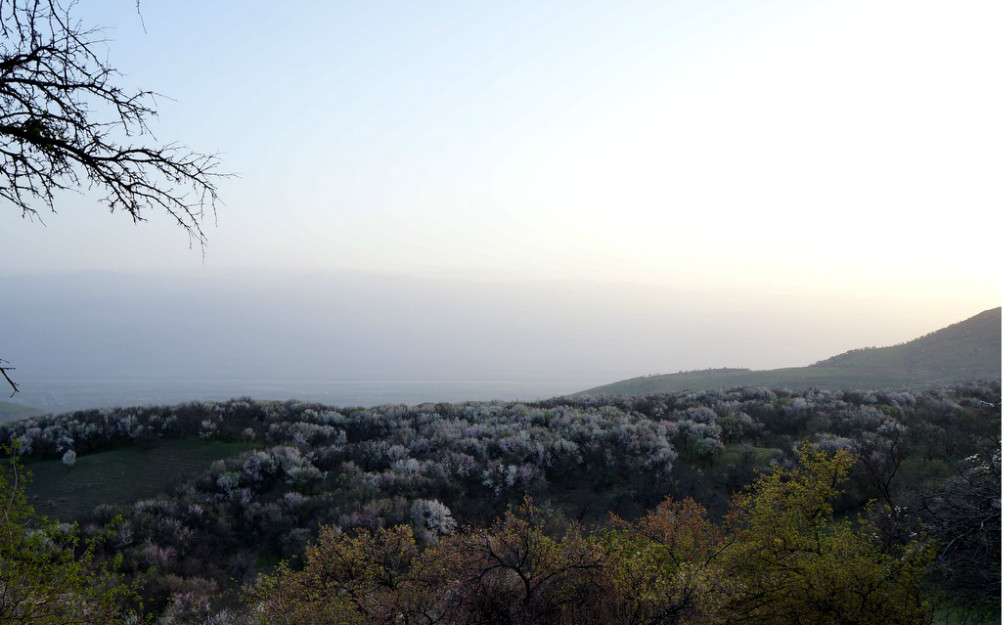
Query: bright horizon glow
{"x":789,"y":149}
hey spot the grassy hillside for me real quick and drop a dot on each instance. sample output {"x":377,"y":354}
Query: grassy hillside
{"x":121,"y":475}
{"x":968,"y":350}
{"x":10,"y":411}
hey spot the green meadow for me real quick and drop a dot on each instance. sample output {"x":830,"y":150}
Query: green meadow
{"x":120,"y":475}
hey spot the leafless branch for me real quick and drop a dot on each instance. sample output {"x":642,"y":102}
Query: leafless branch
{"x":4,"y":371}
{"x":66,"y":124}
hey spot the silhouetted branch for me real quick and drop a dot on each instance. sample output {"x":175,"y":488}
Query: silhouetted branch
{"x":4,"y":371}
{"x":64,"y":123}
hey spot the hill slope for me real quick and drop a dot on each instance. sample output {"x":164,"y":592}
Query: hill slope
{"x":971,"y":349}
{"x":10,"y":411}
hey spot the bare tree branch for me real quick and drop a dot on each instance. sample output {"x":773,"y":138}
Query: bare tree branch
{"x":66,"y":124}
{"x":4,"y":371}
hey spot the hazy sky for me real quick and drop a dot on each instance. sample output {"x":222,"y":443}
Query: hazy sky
{"x":796,"y":149}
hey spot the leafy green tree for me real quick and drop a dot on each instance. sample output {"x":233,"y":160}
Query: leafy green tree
{"x":666,"y":565}
{"x":346,"y":580}
{"x":49,"y":575}
{"x":796,"y":565}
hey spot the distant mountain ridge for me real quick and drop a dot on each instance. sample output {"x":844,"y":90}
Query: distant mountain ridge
{"x":969,"y":350}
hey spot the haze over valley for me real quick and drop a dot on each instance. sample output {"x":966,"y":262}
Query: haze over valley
{"x":350,"y":338}
{"x":520,"y":200}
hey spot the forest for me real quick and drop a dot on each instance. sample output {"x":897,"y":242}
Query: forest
{"x":748,"y":505}
{"x":758,"y":504}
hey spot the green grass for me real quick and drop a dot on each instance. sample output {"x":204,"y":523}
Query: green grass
{"x":119,"y":476}
{"x":956,"y":611}
{"x":9,"y":411}
{"x":732,"y":455}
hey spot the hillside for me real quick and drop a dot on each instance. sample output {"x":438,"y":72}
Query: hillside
{"x":264,"y":479}
{"x":10,"y":411}
{"x":968,"y":350}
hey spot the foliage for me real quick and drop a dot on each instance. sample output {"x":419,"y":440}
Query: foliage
{"x":796,"y":566}
{"x":963,"y":515}
{"x":444,"y":469}
{"x":778,"y":558}
{"x":360,"y":579}
{"x":515,"y":571}
{"x":667,"y":564}
{"x":49,"y":574}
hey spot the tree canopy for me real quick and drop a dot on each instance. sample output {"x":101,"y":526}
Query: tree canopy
{"x":49,"y":574}
{"x":779,"y":557}
{"x":396,"y":511}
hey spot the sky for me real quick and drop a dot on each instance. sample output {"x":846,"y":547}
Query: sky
{"x":826,"y":169}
